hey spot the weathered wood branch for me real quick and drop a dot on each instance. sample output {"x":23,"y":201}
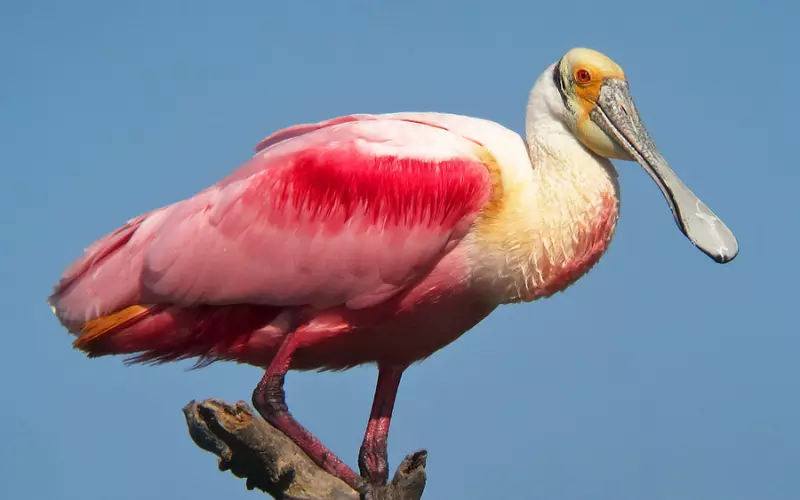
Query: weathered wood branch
{"x":251,"y":448}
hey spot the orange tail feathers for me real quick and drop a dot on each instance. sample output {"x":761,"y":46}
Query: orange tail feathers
{"x":95,"y":334}
{"x":161,"y":333}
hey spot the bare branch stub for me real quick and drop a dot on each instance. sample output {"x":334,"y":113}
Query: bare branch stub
{"x":252,"y":449}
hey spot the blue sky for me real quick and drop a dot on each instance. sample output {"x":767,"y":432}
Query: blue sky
{"x":660,"y":375}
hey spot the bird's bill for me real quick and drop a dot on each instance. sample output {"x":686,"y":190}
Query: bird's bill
{"x":616,"y":114}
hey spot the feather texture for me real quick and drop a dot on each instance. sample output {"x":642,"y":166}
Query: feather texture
{"x":348,"y":213}
{"x":378,"y":237}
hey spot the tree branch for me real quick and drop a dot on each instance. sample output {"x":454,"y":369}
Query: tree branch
{"x":251,"y":448}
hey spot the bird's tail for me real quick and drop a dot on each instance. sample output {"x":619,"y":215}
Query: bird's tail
{"x":162,"y":333}
{"x":98,"y":299}
{"x":131,"y":330}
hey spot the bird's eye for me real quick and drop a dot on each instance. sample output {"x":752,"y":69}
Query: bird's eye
{"x":583,"y":76}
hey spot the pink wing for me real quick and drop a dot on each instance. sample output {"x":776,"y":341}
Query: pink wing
{"x":348,"y":211}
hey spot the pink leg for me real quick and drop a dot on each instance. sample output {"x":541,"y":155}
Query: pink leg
{"x":270,"y":401}
{"x":372,"y":459}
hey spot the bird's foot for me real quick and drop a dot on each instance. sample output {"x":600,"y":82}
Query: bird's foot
{"x":407,"y":484}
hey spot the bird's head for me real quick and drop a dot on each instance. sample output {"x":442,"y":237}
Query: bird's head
{"x":588,"y":92}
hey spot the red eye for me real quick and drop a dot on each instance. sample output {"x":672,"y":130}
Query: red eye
{"x":582,"y":76}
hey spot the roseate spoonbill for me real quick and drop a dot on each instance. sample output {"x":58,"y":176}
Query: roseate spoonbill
{"x":375,"y":239}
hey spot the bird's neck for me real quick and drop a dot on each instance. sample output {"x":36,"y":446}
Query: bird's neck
{"x":556,"y":218}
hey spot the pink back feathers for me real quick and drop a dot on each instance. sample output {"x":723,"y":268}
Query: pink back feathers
{"x":347,"y":212}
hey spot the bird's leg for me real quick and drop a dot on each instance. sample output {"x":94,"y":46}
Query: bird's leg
{"x":270,"y":401}
{"x":372,"y":458}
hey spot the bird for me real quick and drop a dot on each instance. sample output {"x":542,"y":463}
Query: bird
{"x":375,"y":239}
